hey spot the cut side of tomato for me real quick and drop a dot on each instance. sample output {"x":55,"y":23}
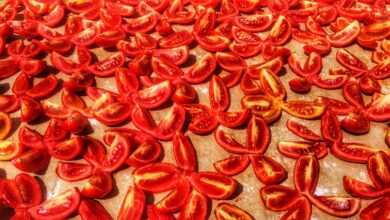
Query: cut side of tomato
{"x":267,"y":170}
{"x":73,"y":171}
{"x":133,"y":204}
{"x":59,"y":207}
{"x":106,"y":67}
{"x":99,"y":185}
{"x":213,"y":185}
{"x":225,"y":211}
{"x":90,"y":209}
{"x":66,"y":150}
{"x":157,"y":177}
{"x":176,"y":199}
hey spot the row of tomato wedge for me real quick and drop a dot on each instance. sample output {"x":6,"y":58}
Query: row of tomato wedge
{"x":139,"y":93}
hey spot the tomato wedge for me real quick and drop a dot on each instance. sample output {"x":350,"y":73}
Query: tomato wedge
{"x":90,"y":209}
{"x":345,"y":36}
{"x":59,"y":207}
{"x":72,"y":171}
{"x":106,"y":67}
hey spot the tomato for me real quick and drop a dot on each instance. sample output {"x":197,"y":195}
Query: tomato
{"x":175,"y":199}
{"x":280,"y":32}
{"x":21,"y":84}
{"x":141,"y":24}
{"x":176,"y":39}
{"x":350,"y":61}
{"x":184,"y":94}
{"x":90,"y":209}
{"x":5,"y":125}
{"x":302,"y":131}
{"x":34,"y":161}
{"x":76,"y":122}
{"x":8,"y":67}
{"x":44,"y":88}
{"x":213,"y":185}
{"x":10,"y":150}
{"x":278,"y":197}
{"x":295,"y":149}
{"x":314,"y":27}
{"x":233,"y":119}
{"x":232,"y":165}
{"x":227,"y":10}
{"x":113,"y":114}
{"x":9,"y":103}
{"x":300,"y":85}
{"x":178,"y":55}
{"x":225,"y":211}
{"x":78,"y":82}
{"x":230,"y":78}
{"x":242,"y":36}
{"x":336,"y":206}
{"x":230,"y":61}
{"x":195,"y":207}
{"x":212,"y":42}
{"x":120,"y":8}
{"x":58,"y":207}
{"x":30,"y":109}
{"x":30,"y":138}
{"x":165,"y":68}
{"x":345,"y":36}
{"x":146,"y":179}
{"x":72,"y":171}
{"x":147,"y":152}
{"x":56,"y":131}
{"x":133,"y":204}
{"x":106,"y":67}
{"x":254,"y":23}
{"x":80,"y":6}
{"x":67,"y":65}
{"x":201,"y":70}
{"x":22,"y":192}
{"x":177,"y":14}
{"x":99,"y":185}
{"x":66,"y":150}
{"x":202,"y":120}
{"x":184,"y":152}
{"x":246,"y":5}
{"x":245,"y":49}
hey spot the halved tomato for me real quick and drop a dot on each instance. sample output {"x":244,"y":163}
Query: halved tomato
{"x":278,"y":197}
{"x":165,"y":68}
{"x":56,"y":131}
{"x":302,"y":131}
{"x":9,"y":103}
{"x":295,"y":149}
{"x":59,"y":207}
{"x":202,"y":120}
{"x":177,"y":55}
{"x":268,"y":170}
{"x":73,"y":171}
{"x":195,"y":207}
{"x":184,"y":152}
{"x":232,"y":165}
{"x":230,"y":61}
{"x":242,"y":36}
{"x":254,"y":22}
{"x":304,"y":109}
{"x":8,"y":67}
{"x":30,"y":138}
{"x":218,"y":94}
{"x":32,"y":67}
{"x":280,"y":32}
{"x":336,"y":206}
{"x":212,"y":42}
{"x":69,"y":66}
{"x":233,"y":119}
{"x":184,"y":93}
{"x":5,"y":125}
{"x":176,"y":39}
{"x":113,"y":114}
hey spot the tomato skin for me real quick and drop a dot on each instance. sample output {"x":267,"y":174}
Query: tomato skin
{"x":33,"y":161}
{"x":71,"y":171}
{"x":90,"y":209}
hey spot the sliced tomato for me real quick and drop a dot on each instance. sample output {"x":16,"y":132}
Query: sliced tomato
{"x":33,"y":161}
{"x":268,"y":170}
{"x":300,"y":85}
{"x":30,"y":138}
{"x":90,"y":209}
{"x":154,"y":96}
{"x":304,"y":109}
{"x":218,"y":94}
{"x":280,"y":32}
{"x":176,"y":199}
{"x":213,"y":185}
{"x":254,"y":23}
{"x":157,"y":177}
{"x":360,"y":189}
{"x":56,"y":131}
{"x":133,"y":205}
{"x":66,"y":150}
{"x":278,"y":197}
{"x":177,"y":55}
{"x":336,"y":206}
{"x":195,"y":207}
{"x":377,"y":209}
{"x":172,"y":122}
{"x":8,"y":67}
{"x":21,"y":84}
{"x":44,"y":88}
{"x":245,"y":49}
{"x":230,"y":61}
{"x":140,"y":24}
{"x":353,"y":152}
{"x":176,"y":39}
{"x":58,"y":207}
{"x":246,"y":5}
{"x":302,"y":131}
{"x":295,"y":149}
{"x":147,"y":152}
{"x":9,"y":103}
{"x":205,"y":22}
{"x":165,"y":68}
{"x":379,"y":109}
{"x":242,"y":36}
{"x":202,"y":120}
{"x":350,"y":61}
{"x":30,"y":109}
{"x":201,"y":70}
{"x":22,"y":192}
{"x":120,"y":8}
{"x":355,"y":123}
{"x":109,"y":38}
{"x":233,"y":119}
{"x":345,"y":36}
{"x":106,"y":67}
{"x":10,"y":150}
{"x":73,"y":171}
{"x":184,"y":93}
{"x":184,"y":152}
{"x":99,"y":185}
{"x":212,"y":42}
{"x":248,"y":85}
{"x":232,"y":165}
{"x":306,"y":175}
{"x":227,"y":10}
{"x":225,"y":211}
{"x":5,"y":125}
{"x":231,"y":78}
